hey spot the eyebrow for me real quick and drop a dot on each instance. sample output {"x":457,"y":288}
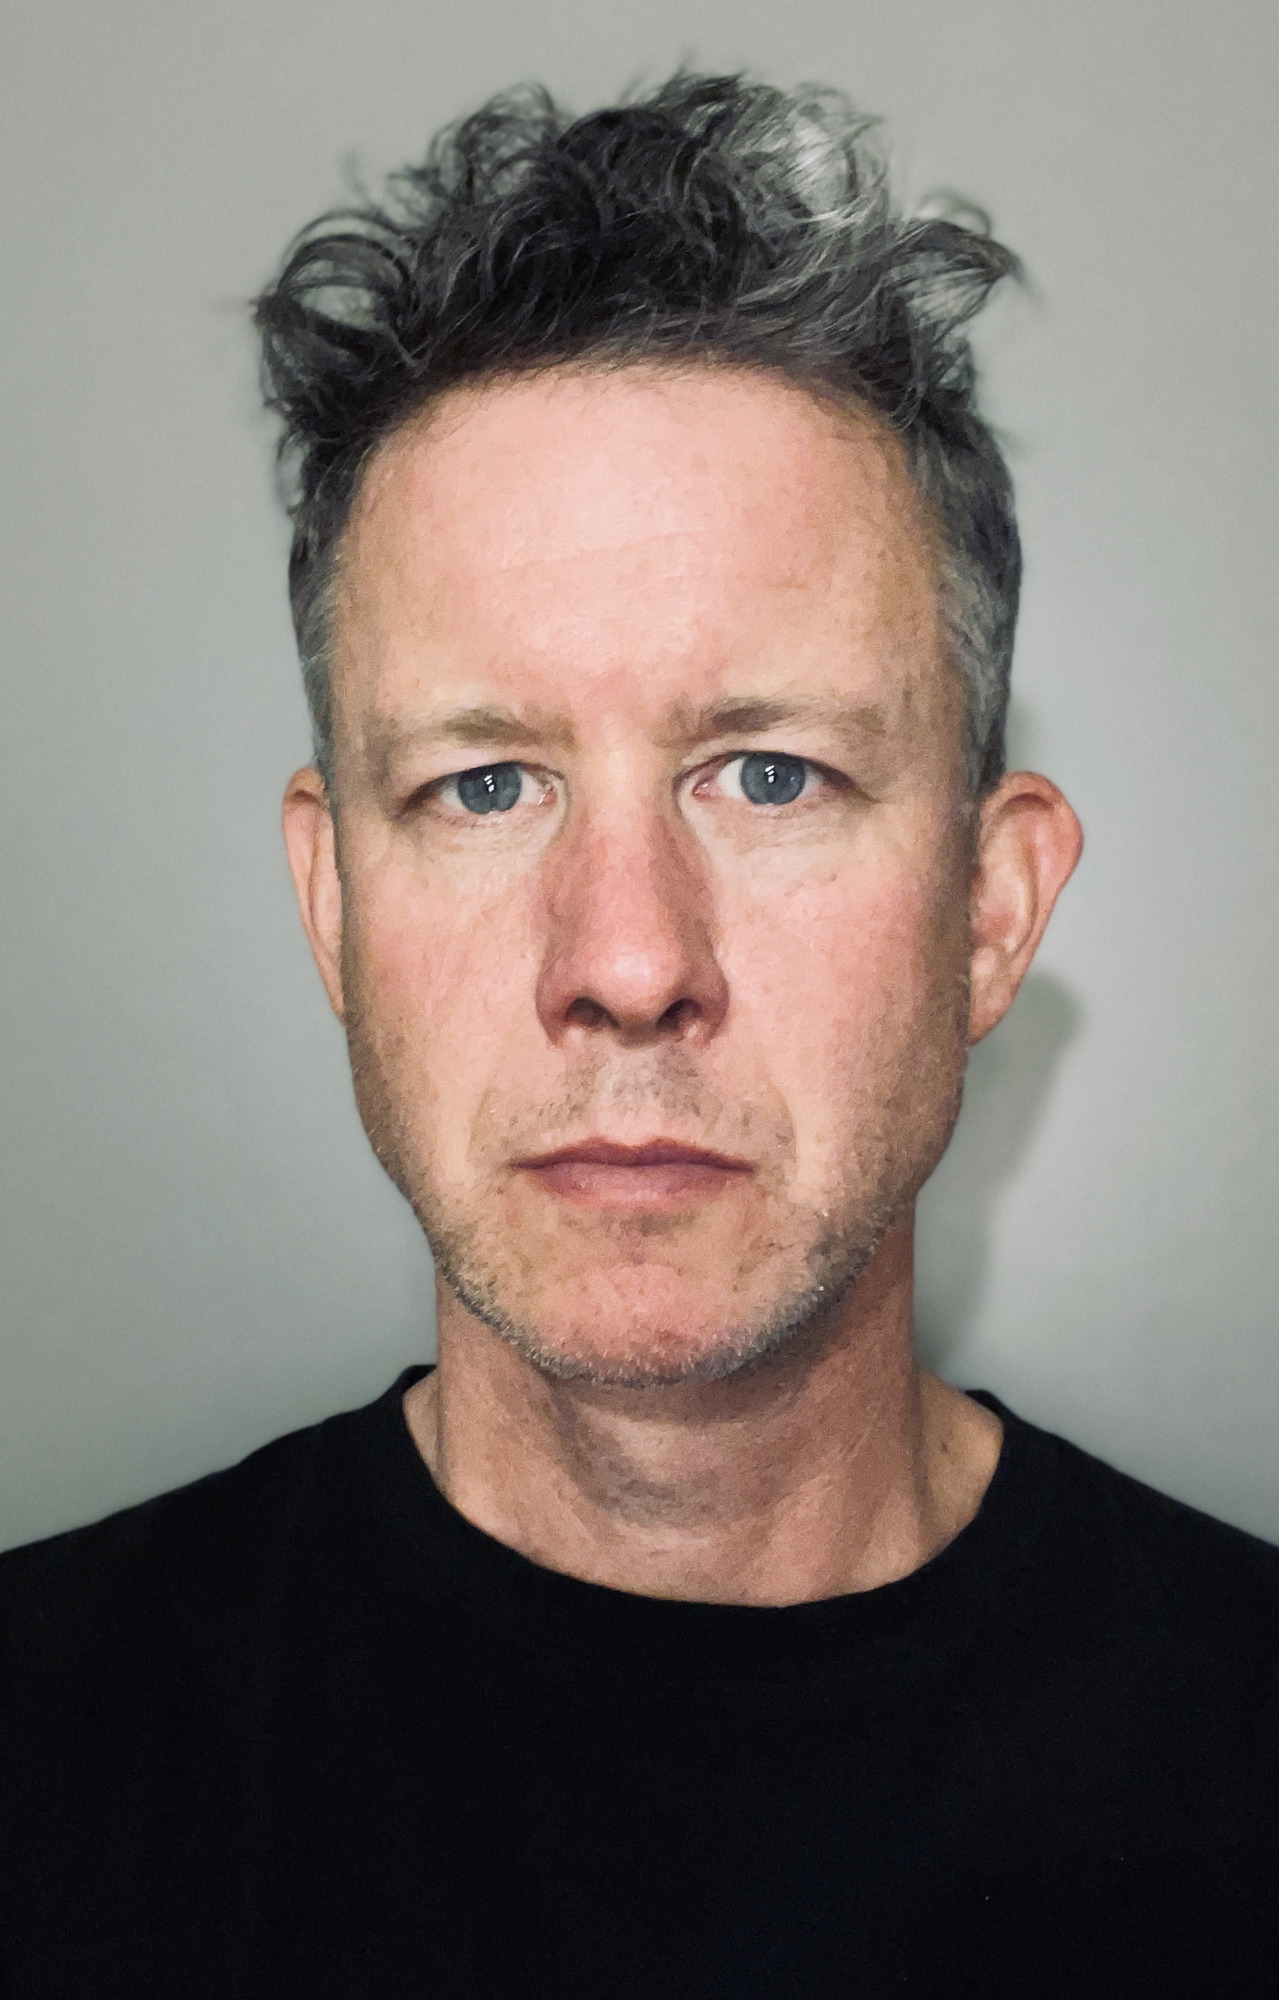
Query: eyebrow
{"x":484,"y":727}
{"x":490,"y":727}
{"x":754,"y":716}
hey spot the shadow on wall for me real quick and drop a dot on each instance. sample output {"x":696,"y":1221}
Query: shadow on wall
{"x":1010,"y":1079}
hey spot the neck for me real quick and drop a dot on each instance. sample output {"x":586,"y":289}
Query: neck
{"x":836,"y":1465}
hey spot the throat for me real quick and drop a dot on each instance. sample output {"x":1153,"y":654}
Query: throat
{"x":815,"y":1475}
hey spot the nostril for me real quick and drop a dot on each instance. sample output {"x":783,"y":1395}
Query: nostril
{"x":584,"y":1013}
{"x":587,"y":1013}
{"x":678,"y":1016}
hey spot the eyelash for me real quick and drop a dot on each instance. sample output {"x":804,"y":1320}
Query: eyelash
{"x":494,"y":775}
{"x":776,"y":769}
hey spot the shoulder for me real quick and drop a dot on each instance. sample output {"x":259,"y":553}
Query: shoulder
{"x":1178,"y":1562}
{"x":1173,"y":1612}
{"x":169,"y":1573}
{"x":146,"y":1660}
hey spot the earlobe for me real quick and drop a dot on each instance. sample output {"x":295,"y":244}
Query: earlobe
{"x":1028,"y":844}
{"x":310,"y":842}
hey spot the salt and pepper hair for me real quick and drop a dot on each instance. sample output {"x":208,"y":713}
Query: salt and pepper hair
{"x":716,"y":219}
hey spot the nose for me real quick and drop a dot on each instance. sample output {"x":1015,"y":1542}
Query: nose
{"x":630,"y":947}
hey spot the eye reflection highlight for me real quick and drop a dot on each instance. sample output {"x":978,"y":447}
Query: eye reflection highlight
{"x":766,"y":777}
{"x":758,"y":777}
{"x":489,"y":787}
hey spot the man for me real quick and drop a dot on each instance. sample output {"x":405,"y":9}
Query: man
{"x":655,"y":580}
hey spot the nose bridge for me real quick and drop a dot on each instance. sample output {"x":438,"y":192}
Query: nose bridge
{"x":629,"y":910}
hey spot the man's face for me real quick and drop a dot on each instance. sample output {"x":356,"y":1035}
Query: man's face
{"x":657,"y":1014}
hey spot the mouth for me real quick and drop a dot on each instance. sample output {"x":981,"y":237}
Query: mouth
{"x":660,"y":1177}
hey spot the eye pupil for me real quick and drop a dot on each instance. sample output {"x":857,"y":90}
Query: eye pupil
{"x":772,"y":781}
{"x":490,"y":788}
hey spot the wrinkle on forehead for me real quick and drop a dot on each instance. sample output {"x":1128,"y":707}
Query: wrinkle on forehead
{"x":643,"y":471}
{"x":585,"y":524}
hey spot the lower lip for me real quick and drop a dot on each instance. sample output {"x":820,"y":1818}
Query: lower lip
{"x":656,"y":1189}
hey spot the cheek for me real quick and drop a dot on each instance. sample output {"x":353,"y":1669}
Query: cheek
{"x":442,"y":982}
{"x":849,"y":983}
{"x":842,"y":948}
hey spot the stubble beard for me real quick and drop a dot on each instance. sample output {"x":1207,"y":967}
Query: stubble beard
{"x":829,"y":1250}
{"x":833,"y":1267}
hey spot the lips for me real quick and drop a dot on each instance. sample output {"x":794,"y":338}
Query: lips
{"x":661,"y":1176}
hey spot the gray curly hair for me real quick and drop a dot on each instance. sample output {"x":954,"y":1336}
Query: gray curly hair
{"x":715,"y":219}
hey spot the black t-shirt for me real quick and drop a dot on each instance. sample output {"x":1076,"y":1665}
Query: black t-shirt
{"x":301,"y":1729}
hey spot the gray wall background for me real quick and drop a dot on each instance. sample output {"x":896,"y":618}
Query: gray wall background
{"x":198,"y":1251}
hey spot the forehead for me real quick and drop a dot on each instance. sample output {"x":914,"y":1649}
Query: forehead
{"x":586,"y":535}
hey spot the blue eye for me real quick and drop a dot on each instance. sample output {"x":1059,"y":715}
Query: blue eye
{"x":768,"y":780}
{"x":490,"y":788}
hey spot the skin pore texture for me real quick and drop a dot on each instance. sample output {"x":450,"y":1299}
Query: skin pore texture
{"x":662,"y":1043}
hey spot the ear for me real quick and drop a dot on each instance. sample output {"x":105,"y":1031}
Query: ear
{"x":1027,"y":846}
{"x":309,"y":837}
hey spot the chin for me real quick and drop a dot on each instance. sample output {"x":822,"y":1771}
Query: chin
{"x":646,"y":1328}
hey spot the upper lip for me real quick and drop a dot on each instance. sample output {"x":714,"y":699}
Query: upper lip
{"x":653,"y":1153}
